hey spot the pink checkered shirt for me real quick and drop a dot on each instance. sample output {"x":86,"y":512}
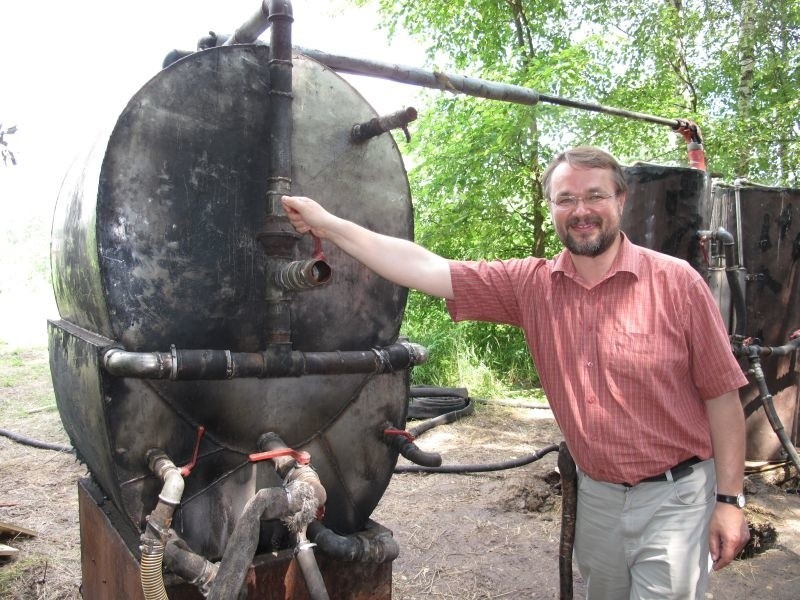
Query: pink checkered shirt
{"x":626,"y":365}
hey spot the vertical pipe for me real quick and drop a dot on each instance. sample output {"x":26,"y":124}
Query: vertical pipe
{"x":277,"y":236}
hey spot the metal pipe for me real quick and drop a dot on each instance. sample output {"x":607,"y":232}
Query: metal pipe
{"x":157,"y":529}
{"x":374,"y":127}
{"x":274,"y":362}
{"x":276,"y":235}
{"x":249,"y":31}
{"x":737,"y":186}
{"x":303,"y":274}
{"x":732,"y":273}
{"x":472,"y":86}
{"x":732,"y":269}
{"x":304,"y":554}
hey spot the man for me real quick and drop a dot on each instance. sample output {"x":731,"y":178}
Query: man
{"x":633,"y":356}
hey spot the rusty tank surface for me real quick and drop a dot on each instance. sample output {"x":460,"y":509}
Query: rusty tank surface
{"x":766,"y":223}
{"x":194,"y":320}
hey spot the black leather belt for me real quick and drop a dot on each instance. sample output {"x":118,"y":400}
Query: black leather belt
{"x":679,"y":471}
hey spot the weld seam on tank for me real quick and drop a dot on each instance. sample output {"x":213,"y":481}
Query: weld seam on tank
{"x":274,"y":362}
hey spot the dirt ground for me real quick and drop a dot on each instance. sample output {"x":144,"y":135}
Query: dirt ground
{"x":476,"y":536}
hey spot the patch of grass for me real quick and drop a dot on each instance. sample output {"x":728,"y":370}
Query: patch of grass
{"x":25,"y":383}
{"x":20,"y":574}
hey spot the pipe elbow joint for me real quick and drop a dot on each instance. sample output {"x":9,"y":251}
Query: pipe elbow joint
{"x":724,"y":236}
{"x":161,"y":465}
{"x":418,"y":354}
{"x":122,"y":363}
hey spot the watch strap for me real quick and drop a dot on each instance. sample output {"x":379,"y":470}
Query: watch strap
{"x":737,"y":500}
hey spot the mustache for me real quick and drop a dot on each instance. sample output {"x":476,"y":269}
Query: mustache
{"x":588,"y":220}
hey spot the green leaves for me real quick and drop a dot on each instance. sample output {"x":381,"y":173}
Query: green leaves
{"x":732,"y":66}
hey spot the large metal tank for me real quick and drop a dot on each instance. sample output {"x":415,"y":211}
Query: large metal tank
{"x":155,"y":246}
{"x":664,"y":210}
{"x":766,"y":223}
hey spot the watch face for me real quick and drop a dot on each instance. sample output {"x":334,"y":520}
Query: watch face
{"x":740,"y":501}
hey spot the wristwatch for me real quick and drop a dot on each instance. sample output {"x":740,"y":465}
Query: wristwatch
{"x":737,"y":500}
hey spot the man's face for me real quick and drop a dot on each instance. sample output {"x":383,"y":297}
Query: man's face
{"x":585,"y":209}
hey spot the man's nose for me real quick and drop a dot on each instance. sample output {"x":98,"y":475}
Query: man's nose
{"x":581,"y":207}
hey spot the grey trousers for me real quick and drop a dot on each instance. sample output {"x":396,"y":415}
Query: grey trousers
{"x":649,"y":541}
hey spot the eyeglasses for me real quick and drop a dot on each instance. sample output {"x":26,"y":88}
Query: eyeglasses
{"x":592,"y":199}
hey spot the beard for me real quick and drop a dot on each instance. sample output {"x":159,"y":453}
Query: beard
{"x":589,"y":247}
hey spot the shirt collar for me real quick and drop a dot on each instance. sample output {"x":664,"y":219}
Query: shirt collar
{"x":627,"y":260}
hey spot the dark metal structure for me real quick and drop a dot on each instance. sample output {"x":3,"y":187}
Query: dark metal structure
{"x":194,"y":320}
{"x":198,"y":329}
{"x":766,"y":221}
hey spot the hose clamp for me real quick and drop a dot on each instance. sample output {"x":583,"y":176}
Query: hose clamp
{"x":228,"y":365}
{"x":173,"y":375}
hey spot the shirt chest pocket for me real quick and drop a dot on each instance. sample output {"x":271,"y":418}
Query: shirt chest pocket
{"x":630,"y":352}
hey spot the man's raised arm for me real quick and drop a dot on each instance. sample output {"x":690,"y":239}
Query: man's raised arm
{"x":400,"y":261}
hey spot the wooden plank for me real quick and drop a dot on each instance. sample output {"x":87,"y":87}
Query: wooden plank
{"x":16,"y":529}
{"x":7,"y":550}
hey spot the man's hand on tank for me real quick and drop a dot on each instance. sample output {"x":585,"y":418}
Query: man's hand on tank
{"x":296,"y":208}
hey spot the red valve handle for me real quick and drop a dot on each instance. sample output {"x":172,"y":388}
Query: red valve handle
{"x":301,"y":456}
{"x":399,"y":432}
{"x":186,"y":469}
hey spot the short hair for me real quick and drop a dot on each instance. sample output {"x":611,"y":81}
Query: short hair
{"x":585,"y":157}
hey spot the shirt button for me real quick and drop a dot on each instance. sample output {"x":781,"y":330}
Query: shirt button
{"x":591,"y":399}
{"x":590,"y":364}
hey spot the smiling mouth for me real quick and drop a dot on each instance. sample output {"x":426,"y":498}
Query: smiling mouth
{"x":583,"y":226}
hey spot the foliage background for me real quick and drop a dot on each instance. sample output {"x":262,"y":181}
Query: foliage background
{"x":731,"y":66}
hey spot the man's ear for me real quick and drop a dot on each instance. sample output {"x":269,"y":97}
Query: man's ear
{"x":621,"y":198}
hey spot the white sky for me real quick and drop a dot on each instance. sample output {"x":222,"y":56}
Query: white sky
{"x":67,"y":69}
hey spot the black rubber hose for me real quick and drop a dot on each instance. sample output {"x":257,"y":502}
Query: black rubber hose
{"x":500,"y":466}
{"x":731,"y":273}
{"x":444,"y":419}
{"x":21,"y":439}
{"x":242,"y":545}
{"x":765,"y":397}
{"x":355,"y":547}
{"x":427,"y":391}
{"x":416,"y":455}
{"x":569,"y":513}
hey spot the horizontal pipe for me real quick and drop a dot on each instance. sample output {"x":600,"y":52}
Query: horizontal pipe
{"x":303,"y":274}
{"x":471,"y":86}
{"x":374,"y":127}
{"x":273,"y":362}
